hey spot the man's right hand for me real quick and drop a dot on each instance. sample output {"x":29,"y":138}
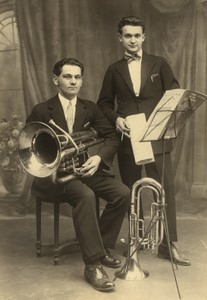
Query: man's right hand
{"x":122,"y":127}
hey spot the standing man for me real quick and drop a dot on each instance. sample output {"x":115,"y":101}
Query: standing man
{"x":73,"y":114}
{"x":135,"y":84}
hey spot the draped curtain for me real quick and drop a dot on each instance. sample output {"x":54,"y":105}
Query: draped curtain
{"x":6,"y":5}
{"x":176,"y":30}
{"x":87,"y":30}
{"x":52,"y":29}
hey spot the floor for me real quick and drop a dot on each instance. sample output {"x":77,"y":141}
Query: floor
{"x":24,"y":276}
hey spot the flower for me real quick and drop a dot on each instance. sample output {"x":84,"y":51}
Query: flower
{"x":9,"y":132}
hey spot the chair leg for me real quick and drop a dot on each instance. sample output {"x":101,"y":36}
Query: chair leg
{"x":97,"y":207}
{"x":38,"y":227}
{"x":56,"y":233}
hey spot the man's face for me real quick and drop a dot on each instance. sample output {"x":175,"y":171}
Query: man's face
{"x":132,"y":38}
{"x":69,"y":81}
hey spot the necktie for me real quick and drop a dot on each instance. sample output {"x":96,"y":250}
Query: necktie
{"x":130,"y":57}
{"x":69,"y":117}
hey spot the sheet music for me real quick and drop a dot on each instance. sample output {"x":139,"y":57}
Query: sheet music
{"x":142,"y":151}
{"x":189,"y":102}
{"x":159,"y":118}
{"x":171,"y":114}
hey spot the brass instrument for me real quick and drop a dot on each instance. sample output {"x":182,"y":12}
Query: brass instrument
{"x":138,"y":235}
{"x":154,"y":235}
{"x":44,"y":153}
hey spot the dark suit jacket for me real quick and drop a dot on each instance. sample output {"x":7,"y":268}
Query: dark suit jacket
{"x":117,"y":97}
{"x":86,"y":112}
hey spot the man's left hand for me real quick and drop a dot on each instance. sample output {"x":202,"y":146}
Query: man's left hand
{"x":90,"y":166}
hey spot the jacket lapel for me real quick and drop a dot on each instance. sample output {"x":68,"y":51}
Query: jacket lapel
{"x":80,"y":116}
{"x":147,"y":63}
{"x":124,"y":71}
{"x":56,"y":112}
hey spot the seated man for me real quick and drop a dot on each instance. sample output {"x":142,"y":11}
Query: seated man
{"x":94,"y":238}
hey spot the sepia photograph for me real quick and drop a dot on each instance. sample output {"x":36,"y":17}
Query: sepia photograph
{"x":103,"y":149}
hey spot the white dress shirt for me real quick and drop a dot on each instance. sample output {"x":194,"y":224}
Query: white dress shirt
{"x":135,"y":73}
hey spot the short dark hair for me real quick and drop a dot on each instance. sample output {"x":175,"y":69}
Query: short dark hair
{"x":67,"y":61}
{"x":130,"y":20}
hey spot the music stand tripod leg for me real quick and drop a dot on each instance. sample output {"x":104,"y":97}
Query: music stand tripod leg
{"x":165,"y":225}
{"x":164,"y":220}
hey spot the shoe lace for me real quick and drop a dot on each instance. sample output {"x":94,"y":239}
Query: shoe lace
{"x":108,"y":253}
{"x":101,"y":272}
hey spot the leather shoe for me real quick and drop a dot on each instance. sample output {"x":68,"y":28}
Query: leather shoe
{"x":98,"y":278}
{"x":163,"y":252}
{"x":110,"y":261}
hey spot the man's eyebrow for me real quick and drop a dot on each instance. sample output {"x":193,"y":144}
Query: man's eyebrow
{"x":68,"y":74}
{"x":135,"y":34}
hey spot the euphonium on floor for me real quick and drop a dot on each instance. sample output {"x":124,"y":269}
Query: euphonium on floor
{"x":44,"y":153}
{"x":139,"y":236}
{"x":152,"y":235}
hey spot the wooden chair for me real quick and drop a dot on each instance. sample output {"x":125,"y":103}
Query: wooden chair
{"x":56,"y":210}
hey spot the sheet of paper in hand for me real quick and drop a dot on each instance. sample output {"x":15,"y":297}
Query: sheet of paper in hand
{"x":142,"y":151}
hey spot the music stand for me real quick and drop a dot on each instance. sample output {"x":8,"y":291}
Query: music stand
{"x":171,"y":114}
{"x":166,"y":122}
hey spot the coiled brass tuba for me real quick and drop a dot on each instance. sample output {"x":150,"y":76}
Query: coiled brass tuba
{"x":44,"y":153}
{"x":152,"y":235}
{"x":139,"y":236}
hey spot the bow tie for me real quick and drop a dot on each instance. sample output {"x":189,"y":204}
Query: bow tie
{"x":130,"y":57}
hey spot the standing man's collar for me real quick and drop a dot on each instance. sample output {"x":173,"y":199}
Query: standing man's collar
{"x":133,"y":56}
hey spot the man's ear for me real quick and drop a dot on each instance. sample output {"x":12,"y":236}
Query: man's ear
{"x":55,"y":79}
{"x":120,"y":37}
{"x":143,"y":37}
{"x":81,"y":83}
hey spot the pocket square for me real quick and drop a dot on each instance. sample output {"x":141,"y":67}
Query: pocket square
{"x":153,"y":76}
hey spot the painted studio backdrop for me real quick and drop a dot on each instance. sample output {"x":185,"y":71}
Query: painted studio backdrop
{"x":34,"y":34}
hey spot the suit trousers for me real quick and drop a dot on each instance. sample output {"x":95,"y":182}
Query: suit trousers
{"x":80,"y":194}
{"x":130,"y":173}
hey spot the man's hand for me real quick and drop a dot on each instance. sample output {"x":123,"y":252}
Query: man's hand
{"x":122,"y":127}
{"x":90,"y":166}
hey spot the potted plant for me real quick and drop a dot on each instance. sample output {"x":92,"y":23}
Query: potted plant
{"x":12,"y":172}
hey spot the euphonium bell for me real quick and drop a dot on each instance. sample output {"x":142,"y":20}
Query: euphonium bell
{"x":42,"y":151}
{"x":132,"y":270}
